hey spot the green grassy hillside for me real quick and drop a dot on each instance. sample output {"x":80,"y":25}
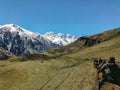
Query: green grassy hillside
{"x":66,"y":68}
{"x":102,"y":50}
{"x":60,"y":74}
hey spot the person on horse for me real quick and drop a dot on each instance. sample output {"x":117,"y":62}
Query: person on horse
{"x":108,"y":72}
{"x":96,"y":63}
{"x":100,"y":74}
{"x":115,"y":71}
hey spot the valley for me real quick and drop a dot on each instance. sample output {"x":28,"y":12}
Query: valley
{"x":66,"y":68}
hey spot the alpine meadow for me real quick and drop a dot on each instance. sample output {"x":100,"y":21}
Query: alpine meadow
{"x":66,"y":68}
{"x":59,"y":44}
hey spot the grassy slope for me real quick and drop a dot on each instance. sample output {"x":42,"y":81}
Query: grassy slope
{"x":80,"y":43}
{"x":102,"y":50}
{"x":70,"y":72}
{"x":57,"y":74}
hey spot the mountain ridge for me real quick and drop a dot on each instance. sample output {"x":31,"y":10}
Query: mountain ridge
{"x":61,"y":39}
{"x":22,"y":42}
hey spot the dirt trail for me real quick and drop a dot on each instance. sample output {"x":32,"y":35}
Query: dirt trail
{"x":79,"y":77}
{"x":63,"y":80}
{"x":88,"y":81}
{"x":52,"y":75}
{"x":49,"y":79}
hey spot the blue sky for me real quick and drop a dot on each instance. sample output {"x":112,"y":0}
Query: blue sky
{"x":78,"y":17}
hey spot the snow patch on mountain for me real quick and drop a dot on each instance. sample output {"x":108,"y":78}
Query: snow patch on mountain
{"x":16,"y":29}
{"x":61,"y":39}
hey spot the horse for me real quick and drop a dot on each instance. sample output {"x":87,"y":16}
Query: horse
{"x":109,"y":86}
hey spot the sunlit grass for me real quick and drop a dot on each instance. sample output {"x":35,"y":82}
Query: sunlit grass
{"x":57,"y":74}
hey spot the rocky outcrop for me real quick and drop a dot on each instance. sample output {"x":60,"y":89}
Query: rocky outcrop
{"x":88,"y":41}
{"x":5,"y":54}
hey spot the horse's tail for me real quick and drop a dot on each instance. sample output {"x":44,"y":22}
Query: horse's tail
{"x":109,"y":86}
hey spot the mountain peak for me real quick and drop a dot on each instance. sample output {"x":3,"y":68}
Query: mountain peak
{"x":15,"y":29}
{"x":49,"y":33}
{"x":10,"y":26}
{"x":61,"y":39}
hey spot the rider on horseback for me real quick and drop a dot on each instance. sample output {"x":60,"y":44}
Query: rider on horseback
{"x":108,"y":72}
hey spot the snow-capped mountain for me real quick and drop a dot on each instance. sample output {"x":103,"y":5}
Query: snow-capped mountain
{"x":61,"y":39}
{"x":22,"y":42}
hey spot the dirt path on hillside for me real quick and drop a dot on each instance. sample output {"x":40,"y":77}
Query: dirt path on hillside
{"x":88,"y":81}
{"x":79,"y":77}
{"x":59,"y":78}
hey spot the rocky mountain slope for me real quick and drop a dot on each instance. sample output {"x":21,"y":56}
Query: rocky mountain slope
{"x":22,"y":42}
{"x":4,"y":54}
